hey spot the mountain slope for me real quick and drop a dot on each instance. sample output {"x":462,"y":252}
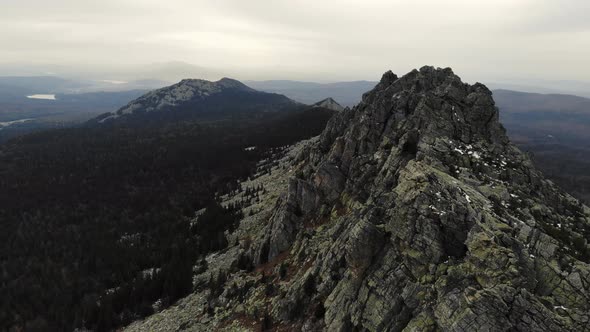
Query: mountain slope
{"x":193,"y":98}
{"x":413,"y":212}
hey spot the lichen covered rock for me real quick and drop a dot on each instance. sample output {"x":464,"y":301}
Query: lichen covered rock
{"x":413,"y":212}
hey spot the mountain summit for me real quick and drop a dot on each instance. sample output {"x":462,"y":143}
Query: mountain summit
{"x":330,"y":104}
{"x":194,"y":98}
{"x":412,"y":211}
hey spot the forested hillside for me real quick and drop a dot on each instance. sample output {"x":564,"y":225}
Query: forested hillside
{"x":98,"y":224}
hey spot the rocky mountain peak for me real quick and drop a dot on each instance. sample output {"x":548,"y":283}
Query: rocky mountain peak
{"x":193,"y":93}
{"x":329,"y":103}
{"x":204,"y":86}
{"x":412,"y":211}
{"x":436,"y":101}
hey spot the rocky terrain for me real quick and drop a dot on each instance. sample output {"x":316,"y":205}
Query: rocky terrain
{"x":410,"y":212}
{"x":330,"y":104}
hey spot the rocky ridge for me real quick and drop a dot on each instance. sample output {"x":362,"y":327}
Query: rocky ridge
{"x":411,"y":212}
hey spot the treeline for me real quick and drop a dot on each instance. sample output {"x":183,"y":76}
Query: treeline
{"x":96,"y":223}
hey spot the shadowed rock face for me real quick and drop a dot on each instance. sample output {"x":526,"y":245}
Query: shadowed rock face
{"x":412,"y":211}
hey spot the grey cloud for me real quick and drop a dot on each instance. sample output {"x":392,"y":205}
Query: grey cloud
{"x":304,"y":39}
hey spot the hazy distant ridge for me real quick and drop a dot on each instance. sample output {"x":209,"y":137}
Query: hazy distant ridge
{"x":345,"y":93}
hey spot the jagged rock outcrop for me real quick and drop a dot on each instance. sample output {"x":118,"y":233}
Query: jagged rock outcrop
{"x":411,"y":212}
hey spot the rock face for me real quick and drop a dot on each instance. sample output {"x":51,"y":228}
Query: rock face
{"x":411,"y":212}
{"x":330,"y":104}
{"x":201,"y":95}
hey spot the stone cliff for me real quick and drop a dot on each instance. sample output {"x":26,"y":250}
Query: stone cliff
{"x":411,"y":212}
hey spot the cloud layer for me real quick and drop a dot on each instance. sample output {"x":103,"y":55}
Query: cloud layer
{"x":301,"y":39}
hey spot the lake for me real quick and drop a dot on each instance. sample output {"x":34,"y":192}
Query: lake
{"x":42,"y":96}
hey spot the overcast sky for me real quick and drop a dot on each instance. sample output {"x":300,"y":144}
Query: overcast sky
{"x":300,"y":39}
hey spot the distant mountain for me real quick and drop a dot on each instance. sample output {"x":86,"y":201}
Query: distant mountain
{"x":533,"y":117}
{"x":571,"y":87}
{"x":516,"y":101}
{"x":347,"y":93}
{"x":555,"y":128}
{"x":330,"y":104}
{"x":192,"y":99}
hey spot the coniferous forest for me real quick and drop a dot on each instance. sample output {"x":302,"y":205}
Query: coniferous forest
{"x":95,"y":222}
